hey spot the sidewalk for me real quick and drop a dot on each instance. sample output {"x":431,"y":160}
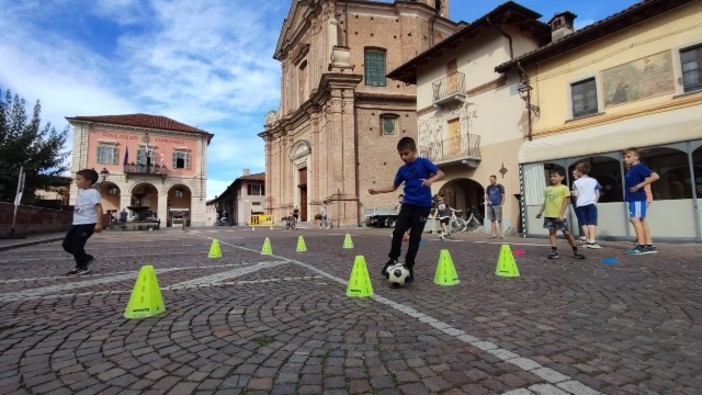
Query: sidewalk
{"x":39,"y":238}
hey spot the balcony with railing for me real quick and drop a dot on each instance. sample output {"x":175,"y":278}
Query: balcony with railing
{"x":464,"y":148}
{"x":145,"y":170}
{"x":448,"y":89}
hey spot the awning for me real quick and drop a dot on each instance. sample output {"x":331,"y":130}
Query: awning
{"x":650,"y":130}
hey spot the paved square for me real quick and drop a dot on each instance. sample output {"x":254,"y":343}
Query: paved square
{"x":282,"y":323}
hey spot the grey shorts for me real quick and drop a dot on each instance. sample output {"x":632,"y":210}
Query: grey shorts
{"x":494,"y":212}
{"x":554,"y":223}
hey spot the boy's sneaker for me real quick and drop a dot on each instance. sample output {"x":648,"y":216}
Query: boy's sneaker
{"x":384,"y":272}
{"x":74,"y":271}
{"x":553,"y":254}
{"x":638,"y":250}
{"x":593,"y":245}
{"x":83,"y":271}
{"x":650,"y":250}
{"x":90,"y":260}
{"x":578,"y":255}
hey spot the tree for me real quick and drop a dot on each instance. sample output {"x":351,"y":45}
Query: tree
{"x":23,"y":142}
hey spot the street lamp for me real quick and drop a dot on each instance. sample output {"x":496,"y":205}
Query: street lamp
{"x":524,"y":90}
{"x":104,"y":173}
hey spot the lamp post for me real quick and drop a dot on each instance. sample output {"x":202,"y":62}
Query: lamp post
{"x":525,"y":93}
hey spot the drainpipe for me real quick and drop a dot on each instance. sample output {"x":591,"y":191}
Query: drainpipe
{"x":509,"y":38}
{"x":431,"y":28}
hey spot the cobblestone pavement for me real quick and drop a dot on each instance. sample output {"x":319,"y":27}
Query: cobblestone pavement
{"x":282,"y":324}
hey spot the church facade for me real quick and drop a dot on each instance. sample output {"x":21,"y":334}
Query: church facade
{"x":335,"y":133}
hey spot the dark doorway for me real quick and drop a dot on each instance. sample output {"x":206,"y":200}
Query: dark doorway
{"x":302,"y":176}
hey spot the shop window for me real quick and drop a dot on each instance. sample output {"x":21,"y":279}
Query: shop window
{"x":607,"y":172}
{"x":673,"y":167}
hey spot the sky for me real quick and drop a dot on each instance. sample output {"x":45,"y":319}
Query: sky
{"x":205,"y":63}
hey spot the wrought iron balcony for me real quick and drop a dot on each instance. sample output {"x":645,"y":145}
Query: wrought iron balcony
{"x":145,"y":170}
{"x":449,"y":89}
{"x":464,"y":148}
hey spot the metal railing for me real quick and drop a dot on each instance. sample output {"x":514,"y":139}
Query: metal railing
{"x":464,"y":146}
{"x":146,"y":169}
{"x":451,"y":85}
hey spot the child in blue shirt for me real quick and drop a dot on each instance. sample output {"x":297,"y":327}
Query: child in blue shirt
{"x":636,"y":178}
{"x":417,"y":174}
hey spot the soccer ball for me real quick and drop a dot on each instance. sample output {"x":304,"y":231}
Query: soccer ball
{"x":397,"y":274}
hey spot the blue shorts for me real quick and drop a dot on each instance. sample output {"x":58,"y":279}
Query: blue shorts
{"x":587,"y":215}
{"x":554,"y":223}
{"x":637,"y":209}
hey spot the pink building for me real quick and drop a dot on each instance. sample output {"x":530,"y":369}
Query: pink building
{"x":150,"y":165}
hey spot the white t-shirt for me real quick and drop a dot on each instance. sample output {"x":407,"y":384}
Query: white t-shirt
{"x":85,"y":211}
{"x":586,"y":187}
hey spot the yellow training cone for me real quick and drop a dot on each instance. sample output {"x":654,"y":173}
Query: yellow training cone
{"x":146,"y":300}
{"x":266,"y":250}
{"x":360,"y":284}
{"x":445,"y":271}
{"x":301,"y":247}
{"x":347,"y":241}
{"x":215,"y":251}
{"x":506,"y":266}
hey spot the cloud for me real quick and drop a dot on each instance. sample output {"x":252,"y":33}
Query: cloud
{"x":205,"y":63}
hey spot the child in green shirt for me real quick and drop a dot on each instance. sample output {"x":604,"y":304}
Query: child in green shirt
{"x":556,"y":200}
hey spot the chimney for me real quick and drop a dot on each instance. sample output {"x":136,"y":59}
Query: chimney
{"x":246,"y":172}
{"x":561,"y":25}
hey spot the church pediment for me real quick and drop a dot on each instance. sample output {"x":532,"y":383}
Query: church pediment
{"x":301,"y":12}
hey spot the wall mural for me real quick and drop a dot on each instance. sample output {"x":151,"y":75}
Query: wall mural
{"x":432,"y":128}
{"x":640,"y":79}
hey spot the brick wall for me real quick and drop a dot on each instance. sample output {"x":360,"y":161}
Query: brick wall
{"x":31,"y":220}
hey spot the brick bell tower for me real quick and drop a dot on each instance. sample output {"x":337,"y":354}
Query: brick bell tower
{"x":441,"y":6}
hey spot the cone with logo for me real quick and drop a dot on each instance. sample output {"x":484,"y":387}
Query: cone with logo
{"x":146,"y":300}
{"x":348,"y":243}
{"x":215,"y":251}
{"x":301,"y":247}
{"x":360,"y":283}
{"x":506,"y":266}
{"x":266,"y":250}
{"x":445,"y":271}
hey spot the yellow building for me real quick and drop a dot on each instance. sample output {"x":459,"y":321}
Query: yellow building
{"x":633,"y":79}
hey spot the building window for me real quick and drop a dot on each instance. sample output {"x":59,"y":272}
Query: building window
{"x":691,"y":62}
{"x":107,"y":154}
{"x":181,"y":160}
{"x":179,"y":193}
{"x":255,"y":190}
{"x":584,"y":97}
{"x":388,"y":124}
{"x":113,"y":191}
{"x":142,"y":159}
{"x":375,"y":67}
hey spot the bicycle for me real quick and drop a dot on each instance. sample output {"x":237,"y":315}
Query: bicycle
{"x":456,"y":223}
{"x":474,"y":222}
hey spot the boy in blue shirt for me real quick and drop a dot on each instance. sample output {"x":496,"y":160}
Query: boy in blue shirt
{"x":417,"y":174}
{"x":636,"y":178}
